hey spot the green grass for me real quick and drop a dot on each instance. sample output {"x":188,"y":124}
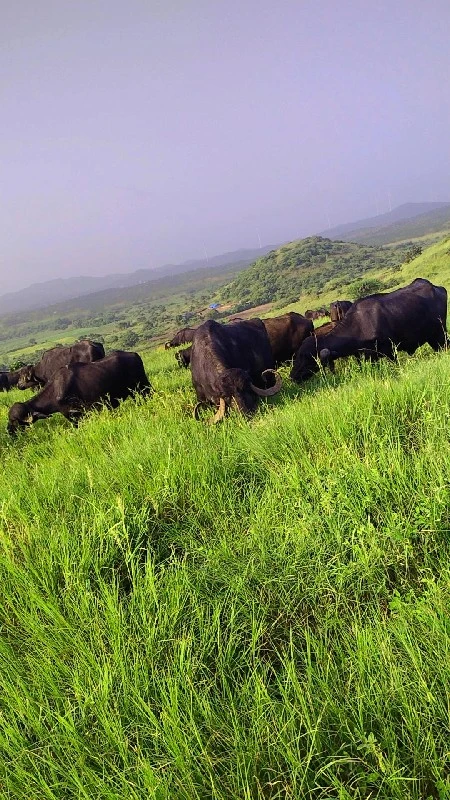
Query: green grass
{"x":252,"y":610}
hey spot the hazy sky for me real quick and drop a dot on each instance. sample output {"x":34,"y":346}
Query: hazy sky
{"x":139,"y":132}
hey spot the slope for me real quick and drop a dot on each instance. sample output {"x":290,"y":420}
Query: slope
{"x":304,"y":267}
{"x":402,"y":213}
{"x":44,"y":294}
{"x":259,"y":610}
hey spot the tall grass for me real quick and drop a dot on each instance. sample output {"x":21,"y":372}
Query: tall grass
{"x":252,"y":610}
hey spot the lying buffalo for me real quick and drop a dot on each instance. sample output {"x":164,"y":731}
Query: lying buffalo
{"x":39,"y":374}
{"x":77,"y":387}
{"x":185,"y":336}
{"x":377,"y":325}
{"x":338,"y":309}
{"x":229,"y":363}
{"x":286,"y":333}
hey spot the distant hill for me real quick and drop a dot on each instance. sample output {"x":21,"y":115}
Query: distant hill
{"x":407,"y":211}
{"x":47,"y":293}
{"x":432,"y":222}
{"x":303,"y":267}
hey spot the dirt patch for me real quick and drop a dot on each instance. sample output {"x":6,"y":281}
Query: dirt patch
{"x":256,"y":311}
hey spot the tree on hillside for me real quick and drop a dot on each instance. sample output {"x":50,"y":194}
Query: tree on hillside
{"x":130,"y":339}
{"x":411,"y":254}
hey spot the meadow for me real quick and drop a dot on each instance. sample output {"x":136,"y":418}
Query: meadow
{"x":250,"y":610}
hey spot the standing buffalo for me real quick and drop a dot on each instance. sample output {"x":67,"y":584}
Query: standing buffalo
{"x":376,"y":325}
{"x":286,"y":333}
{"x":83,"y":351}
{"x":228,"y":362}
{"x":338,"y":309}
{"x":80,"y":386}
{"x":184,"y":336}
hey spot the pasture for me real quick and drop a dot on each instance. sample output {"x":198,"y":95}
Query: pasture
{"x":252,"y":610}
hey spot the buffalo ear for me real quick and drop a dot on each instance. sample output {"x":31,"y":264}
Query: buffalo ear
{"x":326,"y":358}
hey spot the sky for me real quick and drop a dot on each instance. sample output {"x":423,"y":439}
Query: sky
{"x":145,"y":132}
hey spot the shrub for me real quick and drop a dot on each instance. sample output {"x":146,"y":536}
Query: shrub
{"x":362,"y":288}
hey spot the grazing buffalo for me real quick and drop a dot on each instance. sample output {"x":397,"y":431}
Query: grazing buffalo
{"x":184,"y":357}
{"x":229,"y":362}
{"x":39,"y":374}
{"x":338,"y":309}
{"x":286,"y":333}
{"x":316,"y":313}
{"x":80,"y":386}
{"x":376,"y":325}
{"x":185,"y":336}
{"x":8,"y":380}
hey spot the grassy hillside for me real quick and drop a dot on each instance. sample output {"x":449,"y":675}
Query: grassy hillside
{"x":302,"y":274}
{"x":62,"y":290}
{"x":254,"y":610}
{"x":146,"y":311}
{"x":433,"y":263}
{"x":305,"y":266}
{"x":153,"y":310}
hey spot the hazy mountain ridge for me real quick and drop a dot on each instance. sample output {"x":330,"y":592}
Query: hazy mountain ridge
{"x":405,"y":222}
{"x":406,"y":211}
{"x":58,"y":290}
{"x":437,"y":221}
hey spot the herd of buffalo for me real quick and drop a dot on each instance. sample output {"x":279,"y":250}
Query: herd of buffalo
{"x":234,"y":363}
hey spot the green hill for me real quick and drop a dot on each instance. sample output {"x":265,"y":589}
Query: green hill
{"x":304,"y":267}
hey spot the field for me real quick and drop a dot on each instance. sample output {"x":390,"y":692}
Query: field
{"x":258,"y":609}
{"x":252,"y":610}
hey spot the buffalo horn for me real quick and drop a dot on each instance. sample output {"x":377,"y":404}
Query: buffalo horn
{"x":273,"y":389}
{"x":220,"y":413}
{"x":197,"y":408}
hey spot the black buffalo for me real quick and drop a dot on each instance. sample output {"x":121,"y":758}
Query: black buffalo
{"x":79,"y":386}
{"x":184,"y":357}
{"x":377,"y":325}
{"x":286,"y":333}
{"x":317,"y":313}
{"x":39,"y":374}
{"x":338,"y":309}
{"x":8,"y":380}
{"x":229,"y":363}
{"x":185,"y":336}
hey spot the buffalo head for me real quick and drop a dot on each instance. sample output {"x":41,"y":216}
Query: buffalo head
{"x":27,"y":378}
{"x":20,"y":416}
{"x":235,"y":387}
